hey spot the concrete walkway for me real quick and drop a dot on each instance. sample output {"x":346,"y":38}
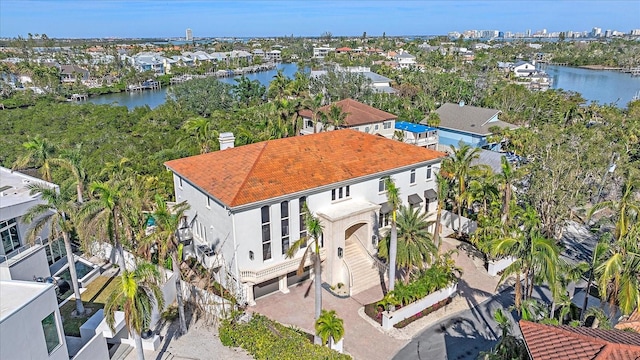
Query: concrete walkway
{"x":364,"y":339}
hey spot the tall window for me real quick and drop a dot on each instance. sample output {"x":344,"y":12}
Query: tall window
{"x":429,"y":172}
{"x":303,"y":226}
{"x":284,"y":224}
{"x":9,"y":234}
{"x":382,"y":185}
{"x":51,"y":336}
{"x":383,"y":219}
{"x":55,"y":250}
{"x":413,"y":176}
{"x":266,"y":233}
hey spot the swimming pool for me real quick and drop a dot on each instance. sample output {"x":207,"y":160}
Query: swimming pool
{"x":86,"y":272}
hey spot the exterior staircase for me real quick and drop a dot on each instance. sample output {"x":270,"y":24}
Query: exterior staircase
{"x":364,"y":270}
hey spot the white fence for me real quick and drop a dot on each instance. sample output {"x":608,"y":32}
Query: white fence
{"x":390,"y":318}
{"x":494,"y":267}
{"x":450,"y":219}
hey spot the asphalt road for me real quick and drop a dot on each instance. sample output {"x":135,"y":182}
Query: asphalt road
{"x":463,"y":335}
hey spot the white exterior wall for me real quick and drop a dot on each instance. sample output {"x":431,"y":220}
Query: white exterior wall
{"x":21,"y":333}
{"x":27,"y":265}
{"x":240,"y":230}
{"x":368,"y":128}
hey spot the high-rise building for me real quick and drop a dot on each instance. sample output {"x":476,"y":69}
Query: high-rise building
{"x":596,"y":32}
{"x":635,"y":32}
{"x":189,"y":36}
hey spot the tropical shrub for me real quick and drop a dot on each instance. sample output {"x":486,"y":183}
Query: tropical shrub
{"x":264,"y":338}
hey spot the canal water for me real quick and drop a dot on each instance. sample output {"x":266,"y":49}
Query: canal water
{"x":602,"y":86}
{"x":154,"y":98}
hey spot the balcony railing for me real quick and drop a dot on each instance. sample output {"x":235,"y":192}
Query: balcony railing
{"x":17,"y":254}
{"x":285,"y":267}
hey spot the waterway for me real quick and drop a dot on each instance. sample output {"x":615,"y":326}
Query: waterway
{"x":154,"y":98}
{"x":601,"y":86}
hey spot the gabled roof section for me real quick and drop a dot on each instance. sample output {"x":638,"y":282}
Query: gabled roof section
{"x":632,"y":322}
{"x":564,"y":342}
{"x":270,"y":169}
{"x":357,"y":113}
{"x":469,"y":119}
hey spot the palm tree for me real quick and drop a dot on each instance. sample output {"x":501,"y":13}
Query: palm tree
{"x":135,"y":294}
{"x":393,"y":198}
{"x":627,"y":209}
{"x":442,"y":192}
{"x":168,"y":223}
{"x":329,"y":327}
{"x":71,"y":159}
{"x":53,"y":213}
{"x":459,"y":167}
{"x":335,"y":116}
{"x":314,"y":231}
{"x":279,"y":85}
{"x":39,"y":152}
{"x":104,"y":215}
{"x":314,"y":104}
{"x":415,"y":247}
{"x":596,"y":258}
{"x":506,"y":179}
{"x":200,"y":129}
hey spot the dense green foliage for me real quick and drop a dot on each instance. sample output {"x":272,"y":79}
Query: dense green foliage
{"x":266,"y":339}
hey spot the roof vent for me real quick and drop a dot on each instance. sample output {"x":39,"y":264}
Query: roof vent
{"x":461,"y":103}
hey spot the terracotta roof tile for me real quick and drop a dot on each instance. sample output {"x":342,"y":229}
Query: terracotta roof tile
{"x":357,"y":113}
{"x":261,"y":171}
{"x":632,"y":322}
{"x":580,"y":343}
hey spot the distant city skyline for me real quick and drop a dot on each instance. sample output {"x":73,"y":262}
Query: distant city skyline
{"x":169,"y":19}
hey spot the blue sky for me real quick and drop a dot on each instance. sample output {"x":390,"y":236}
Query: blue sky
{"x":167,"y":18}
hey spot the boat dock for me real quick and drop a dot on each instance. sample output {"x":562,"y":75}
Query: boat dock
{"x":223,"y":73}
{"x":146,"y":85}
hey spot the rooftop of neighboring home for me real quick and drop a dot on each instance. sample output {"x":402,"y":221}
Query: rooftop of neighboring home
{"x":414,"y":128}
{"x":632,"y":322}
{"x":14,"y":187}
{"x":357,"y":113}
{"x":271,"y":169}
{"x":565,"y":342}
{"x":16,"y":294}
{"x":71,"y":69}
{"x":470,"y":119}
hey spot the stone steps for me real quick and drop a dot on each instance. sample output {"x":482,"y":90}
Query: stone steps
{"x":363,"y":270}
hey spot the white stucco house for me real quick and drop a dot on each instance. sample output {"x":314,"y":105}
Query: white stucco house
{"x":405,"y":60}
{"x":359,"y":116}
{"x":246,"y":202}
{"x":523,"y":69}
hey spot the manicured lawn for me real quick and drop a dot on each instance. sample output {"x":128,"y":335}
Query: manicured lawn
{"x":93,"y":298}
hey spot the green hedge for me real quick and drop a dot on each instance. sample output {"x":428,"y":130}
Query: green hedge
{"x":266,"y":339}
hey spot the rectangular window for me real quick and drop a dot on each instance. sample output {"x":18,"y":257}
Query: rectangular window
{"x":284,"y":225}
{"x":340,"y":193}
{"x":413,"y":176}
{"x":209,"y":202}
{"x":382,"y":185}
{"x":266,"y":233}
{"x":180,"y":179}
{"x":383,"y":220}
{"x":387,"y":125}
{"x":376,"y":127}
{"x":9,"y":234}
{"x":429,"y":172}
{"x":303,"y":226}
{"x":51,"y":335}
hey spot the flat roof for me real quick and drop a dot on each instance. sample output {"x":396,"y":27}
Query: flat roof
{"x":414,"y":128}
{"x":14,"y":295}
{"x":14,"y":187}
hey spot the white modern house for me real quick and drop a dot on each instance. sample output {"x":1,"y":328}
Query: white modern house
{"x":418,"y":134}
{"x":246,"y":204}
{"x":359,"y":116}
{"x":30,"y":323}
{"x":405,"y":60}
{"x":523,"y":69}
{"x":19,"y":258}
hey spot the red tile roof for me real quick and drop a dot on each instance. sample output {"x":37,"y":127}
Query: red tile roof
{"x":548,"y":342}
{"x":343,"y":49}
{"x":357,"y":113}
{"x":265,"y":170}
{"x":632,"y":322}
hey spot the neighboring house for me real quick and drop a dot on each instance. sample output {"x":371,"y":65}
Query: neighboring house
{"x":17,"y":252}
{"x":273,"y":55}
{"x":343,"y":50}
{"x":30,"y":322}
{"x":469,"y":124}
{"x":631,"y":322}
{"x":379,"y":83}
{"x":523,"y":69}
{"x":359,"y":116}
{"x":418,"y":134}
{"x":405,"y":60}
{"x":322,"y":52}
{"x":246,"y":204}
{"x":69,"y":73}
{"x":258,"y":53}
{"x":549,"y":342}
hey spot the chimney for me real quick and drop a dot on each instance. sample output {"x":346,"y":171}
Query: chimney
{"x":461,"y":103}
{"x":226,"y":140}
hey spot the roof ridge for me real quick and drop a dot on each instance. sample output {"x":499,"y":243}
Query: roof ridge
{"x":253,"y":166}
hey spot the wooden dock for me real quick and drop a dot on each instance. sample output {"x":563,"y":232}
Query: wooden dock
{"x":147,"y":85}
